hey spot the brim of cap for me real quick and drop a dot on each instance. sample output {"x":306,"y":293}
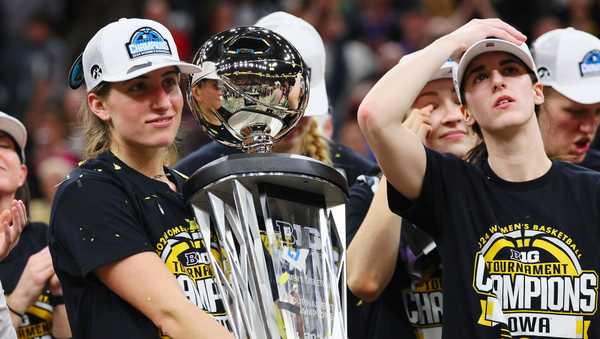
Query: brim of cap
{"x":204,"y":76}
{"x":16,"y":130}
{"x":318,"y":103}
{"x":445,"y":72}
{"x":482,"y":47}
{"x":582,"y":92}
{"x":183,"y":67}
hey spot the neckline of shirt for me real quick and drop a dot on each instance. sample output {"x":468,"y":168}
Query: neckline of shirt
{"x":519,"y":185}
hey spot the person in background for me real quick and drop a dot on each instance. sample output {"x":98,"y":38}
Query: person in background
{"x":124,"y":243}
{"x":34,"y":296}
{"x":568,"y":65}
{"x":51,"y":171}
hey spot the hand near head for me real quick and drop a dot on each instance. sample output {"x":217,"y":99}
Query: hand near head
{"x":479,"y":29}
{"x":12,"y":222}
{"x":419,"y":122}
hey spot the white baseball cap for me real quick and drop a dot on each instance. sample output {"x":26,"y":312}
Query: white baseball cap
{"x":568,"y":60}
{"x":125,"y":49}
{"x":445,"y":71}
{"x":209,"y":71}
{"x":486,"y":46}
{"x":15,"y":128}
{"x":308,"y":42}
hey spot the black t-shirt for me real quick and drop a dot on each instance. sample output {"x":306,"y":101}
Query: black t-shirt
{"x":592,"y":160}
{"x":408,"y":307}
{"x":37,"y":321}
{"x":344,"y":159}
{"x":520,"y":258}
{"x":106,"y":211}
{"x":422,"y":294}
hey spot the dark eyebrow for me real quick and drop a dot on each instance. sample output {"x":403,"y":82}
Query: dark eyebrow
{"x":508,"y":61}
{"x":165,"y":74}
{"x":473,"y":70}
{"x":170,"y":72}
{"x":578,"y":111}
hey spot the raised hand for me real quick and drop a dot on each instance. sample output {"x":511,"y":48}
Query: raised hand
{"x":12,"y":222}
{"x":419,"y":121}
{"x":478,"y":29}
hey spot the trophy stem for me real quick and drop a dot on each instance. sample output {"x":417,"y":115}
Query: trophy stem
{"x":257,"y":143}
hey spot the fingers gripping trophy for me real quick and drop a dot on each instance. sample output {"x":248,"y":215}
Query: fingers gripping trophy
{"x":279,"y":218}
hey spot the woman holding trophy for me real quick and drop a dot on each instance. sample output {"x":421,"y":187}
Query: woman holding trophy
{"x":123,"y":241}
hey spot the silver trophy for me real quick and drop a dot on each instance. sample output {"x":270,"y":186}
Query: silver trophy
{"x":253,"y":88}
{"x":279,"y":219}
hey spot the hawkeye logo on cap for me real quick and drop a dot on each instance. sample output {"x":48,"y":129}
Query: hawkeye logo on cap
{"x":543,"y":72}
{"x":590,"y":65}
{"x":146,"y":41}
{"x":96,"y":72}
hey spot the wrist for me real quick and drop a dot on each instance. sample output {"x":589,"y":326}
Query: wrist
{"x":17,"y":303}
{"x":55,"y":300}
{"x":450,"y":46}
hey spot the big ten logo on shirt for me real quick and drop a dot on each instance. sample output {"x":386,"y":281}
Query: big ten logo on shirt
{"x":184,"y":253}
{"x":37,"y":320}
{"x":531,"y":281}
{"x":424,"y":303}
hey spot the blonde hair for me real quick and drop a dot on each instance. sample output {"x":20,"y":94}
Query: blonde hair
{"x":97,"y":133}
{"x":315,"y":145}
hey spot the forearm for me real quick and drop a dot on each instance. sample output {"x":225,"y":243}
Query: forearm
{"x":157,"y":295}
{"x":399,"y":152}
{"x":60,"y":322}
{"x":187,"y":321}
{"x":392,"y":96}
{"x":373,"y":253}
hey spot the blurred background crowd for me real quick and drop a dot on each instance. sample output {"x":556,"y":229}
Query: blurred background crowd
{"x":363,"y":38}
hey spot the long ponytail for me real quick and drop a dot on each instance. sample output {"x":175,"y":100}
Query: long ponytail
{"x":315,"y":145}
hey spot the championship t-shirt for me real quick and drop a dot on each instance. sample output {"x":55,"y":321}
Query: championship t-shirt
{"x":520,"y":258}
{"x":422,"y":294}
{"x":37,"y":320}
{"x":106,"y":211}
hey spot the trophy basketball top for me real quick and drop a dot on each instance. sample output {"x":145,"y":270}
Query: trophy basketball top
{"x":252,"y":90}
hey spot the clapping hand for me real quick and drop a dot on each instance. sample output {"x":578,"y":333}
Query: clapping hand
{"x":12,"y":222}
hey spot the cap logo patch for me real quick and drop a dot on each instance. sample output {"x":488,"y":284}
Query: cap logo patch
{"x":543,"y":72}
{"x":146,"y":41}
{"x":96,"y":72}
{"x":590,"y":65}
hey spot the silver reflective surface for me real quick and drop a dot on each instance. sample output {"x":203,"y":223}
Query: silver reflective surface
{"x":253,"y":88}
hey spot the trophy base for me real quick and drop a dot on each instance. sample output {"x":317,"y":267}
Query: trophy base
{"x":288,"y":170}
{"x":279,"y":222}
